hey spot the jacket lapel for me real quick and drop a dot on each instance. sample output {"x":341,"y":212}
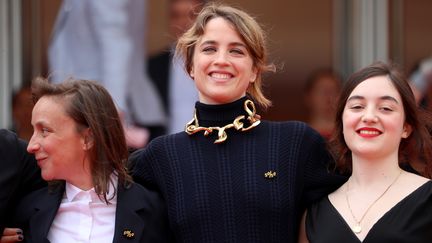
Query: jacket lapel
{"x":129,"y":225}
{"x":46,"y":210}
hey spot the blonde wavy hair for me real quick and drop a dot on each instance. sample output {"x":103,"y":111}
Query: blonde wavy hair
{"x":250,"y":32}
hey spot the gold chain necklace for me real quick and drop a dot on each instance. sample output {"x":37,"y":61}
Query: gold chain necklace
{"x":357,"y":228}
{"x":253,"y":118}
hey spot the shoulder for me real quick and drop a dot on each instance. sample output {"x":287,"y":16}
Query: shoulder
{"x":142,"y":194}
{"x":140,"y":197}
{"x":154,"y":145}
{"x":12,"y":149}
{"x":298,"y":127}
{"x":411,"y":182}
{"x":36,"y":198}
{"x":7,"y":134}
{"x":165,"y":142}
{"x":295,"y":131}
{"x":8,"y":140}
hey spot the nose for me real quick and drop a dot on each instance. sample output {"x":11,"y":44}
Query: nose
{"x":221,"y":58}
{"x":369,"y":115}
{"x":33,"y":145}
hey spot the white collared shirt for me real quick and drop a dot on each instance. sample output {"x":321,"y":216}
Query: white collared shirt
{"x":83,"y":217}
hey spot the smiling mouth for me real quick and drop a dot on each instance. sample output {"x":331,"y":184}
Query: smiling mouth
{"x":223,"y":76}
{"x":369,"y":133}
{"x":366,"y":132}
{"x":40,"y":160}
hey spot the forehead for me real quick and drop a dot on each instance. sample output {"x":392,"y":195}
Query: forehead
{"x":376,"y":87}
{"x":220,"y":29}
{"x":49,"y":109}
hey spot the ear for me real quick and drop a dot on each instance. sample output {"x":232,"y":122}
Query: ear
{"x":407,"y":129}
{"x":191,"y":73}
{"x":254,"y":75}
{"x":253,"y":78}
{"x":88,"y":140}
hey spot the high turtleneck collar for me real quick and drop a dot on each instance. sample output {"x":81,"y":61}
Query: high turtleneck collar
{"x":220,"y":115}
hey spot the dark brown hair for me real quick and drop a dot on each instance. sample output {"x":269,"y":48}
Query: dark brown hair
{"x":248,"y":29}
{"x":416,"y":147}
{"x":90,"y":105}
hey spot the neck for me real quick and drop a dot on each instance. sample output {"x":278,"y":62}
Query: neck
{"x":82,"y":179}
{"x":368,"y":173}
{"x":240,"y":123}
{"x":82,"y":183}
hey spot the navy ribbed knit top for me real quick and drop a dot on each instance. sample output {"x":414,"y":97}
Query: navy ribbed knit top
{"x":219,"y":192}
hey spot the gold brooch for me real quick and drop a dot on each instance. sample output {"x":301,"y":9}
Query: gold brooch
{"x":253,"y":118}
{"x":270,"y":174}
{"x":129,"y":234}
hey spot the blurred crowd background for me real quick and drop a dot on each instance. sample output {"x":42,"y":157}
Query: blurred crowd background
{"x":306,"y":37}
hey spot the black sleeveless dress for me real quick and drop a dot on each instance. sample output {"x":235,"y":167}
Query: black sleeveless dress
{"x":409,"y":221}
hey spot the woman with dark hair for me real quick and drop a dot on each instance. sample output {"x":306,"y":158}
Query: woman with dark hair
{"x":379,"y":131}
{"x":230,"y":176}
{"x":79,"y":144}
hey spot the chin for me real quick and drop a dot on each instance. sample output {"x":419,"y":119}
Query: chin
{"x":222,"y":99}
{"x":47,"y":177}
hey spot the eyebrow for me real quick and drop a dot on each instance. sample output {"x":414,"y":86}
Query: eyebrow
{"x":212,"y":42}
{"x":40,"y":123}
{"x":385,"y":97}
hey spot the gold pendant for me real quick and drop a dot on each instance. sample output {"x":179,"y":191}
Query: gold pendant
{"x":357,"y":229}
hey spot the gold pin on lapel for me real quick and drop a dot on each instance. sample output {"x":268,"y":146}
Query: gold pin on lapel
{"x":128,"y":234}
{"x":270,"y":174}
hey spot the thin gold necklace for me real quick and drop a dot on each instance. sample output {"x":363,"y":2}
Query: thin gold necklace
{"x":254,"y":119}
{"x":357,"y":228}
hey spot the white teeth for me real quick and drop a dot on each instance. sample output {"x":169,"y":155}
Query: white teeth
{"x":369,"y":132}
{"x":220,"y":75}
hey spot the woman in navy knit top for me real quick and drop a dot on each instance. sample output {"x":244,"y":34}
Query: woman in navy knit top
{"x":231,"y":177}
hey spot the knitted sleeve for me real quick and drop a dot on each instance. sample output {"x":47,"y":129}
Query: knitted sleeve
{"x":319,"y":179}
{"x":141,"y":166}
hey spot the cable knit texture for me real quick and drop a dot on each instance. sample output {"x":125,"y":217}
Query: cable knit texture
{"x":218,"y":192}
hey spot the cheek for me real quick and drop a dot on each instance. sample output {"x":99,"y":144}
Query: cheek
{"x":396,"y":125}
{"x":348,"y":124}
{"x":345,"y":121}
{"x":350,"y":119}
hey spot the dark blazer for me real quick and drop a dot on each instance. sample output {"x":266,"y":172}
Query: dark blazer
{"x":19,"y":173}
{"x":140,"y":211}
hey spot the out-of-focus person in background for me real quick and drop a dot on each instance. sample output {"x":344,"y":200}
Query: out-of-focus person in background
{"x":320,"y":96}
{"x":174,"y":85}
{"x":421,"y":83}
{"x":22,"y":106}
{"x":104,"y":40}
